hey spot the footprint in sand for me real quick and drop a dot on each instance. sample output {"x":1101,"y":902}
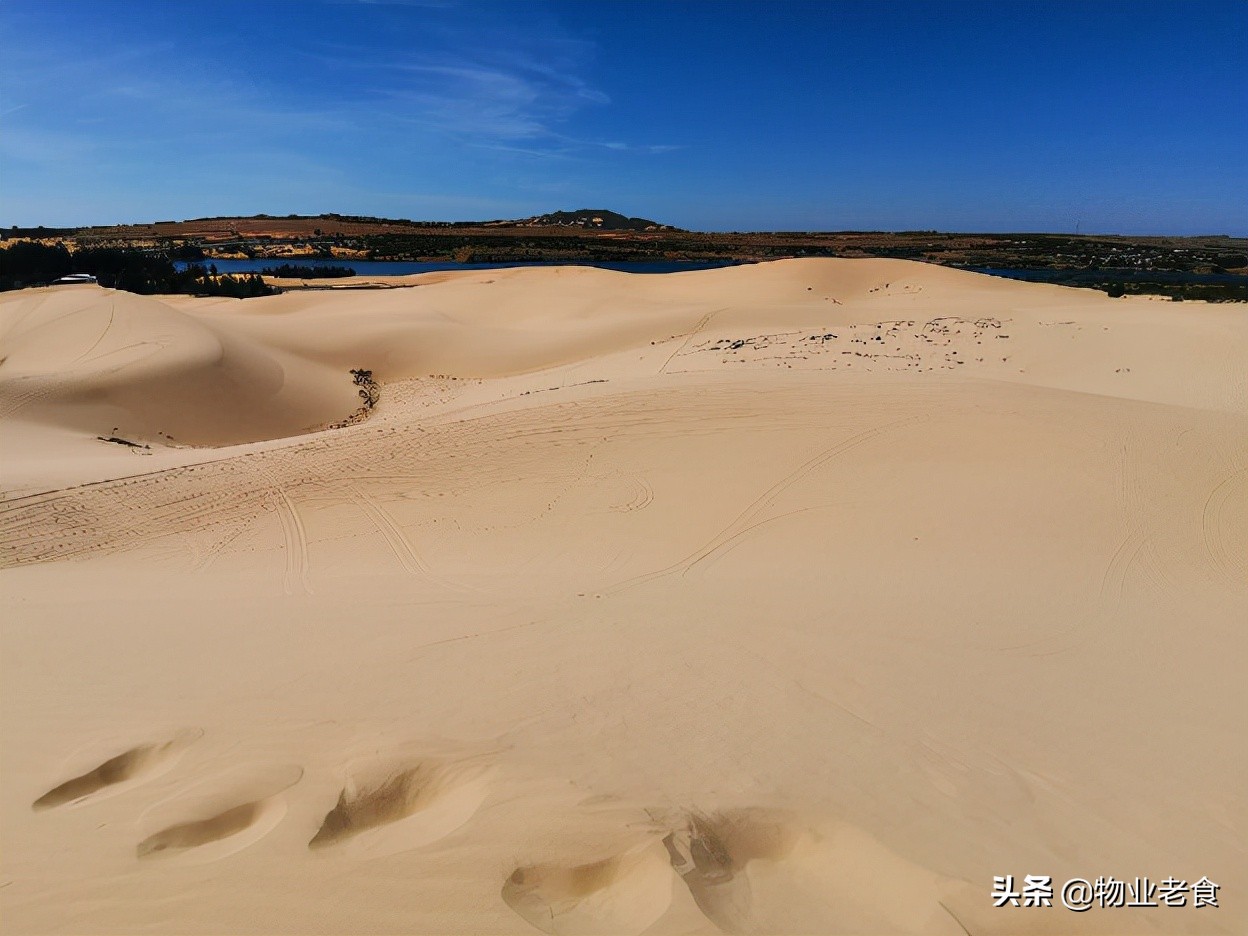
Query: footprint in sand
{"x":624,"y":894}
{"x":383,"y":812}
{"x":122,"y":772}
{"x":762,"y":871}
{"x":219,"y":816}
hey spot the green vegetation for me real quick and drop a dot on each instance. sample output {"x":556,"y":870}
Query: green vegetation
{"x":28,"y":263}
{"x":369,"y":391}
{"x":1204,"y":292}
{"x":1205,"y":267}
{"x":295,"y":271}
{"x":240,"y":286}
{"x":187,"y":252}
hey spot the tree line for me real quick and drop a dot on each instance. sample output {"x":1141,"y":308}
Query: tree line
{"x":298,"y":271}
{"x":29,"y":263}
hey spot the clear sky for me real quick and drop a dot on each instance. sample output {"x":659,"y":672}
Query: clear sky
{"x":996,"y":116}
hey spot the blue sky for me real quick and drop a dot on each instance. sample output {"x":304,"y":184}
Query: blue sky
{"x":998,"y":116}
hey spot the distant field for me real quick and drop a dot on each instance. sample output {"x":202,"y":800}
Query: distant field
{"x":352,"y":238}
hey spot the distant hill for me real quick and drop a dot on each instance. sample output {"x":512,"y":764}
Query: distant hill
{"x":591,"y":219}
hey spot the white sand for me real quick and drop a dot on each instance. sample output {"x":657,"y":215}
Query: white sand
{"x":801,"y":597}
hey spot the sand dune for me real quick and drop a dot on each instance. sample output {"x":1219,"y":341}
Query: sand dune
{"x":119,"y":364}
{"x":805,"y":596}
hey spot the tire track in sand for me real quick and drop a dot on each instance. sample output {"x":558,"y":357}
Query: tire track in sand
{"x":697,"y":330}
{"x":752,"y":515}
{"x":294,"y":539}
{"x":1223,"y":555}
{"x":14,"y":401}
{"x":400,"y":545}
{"x":1114,"y":580}
{"x":1136,"y":537}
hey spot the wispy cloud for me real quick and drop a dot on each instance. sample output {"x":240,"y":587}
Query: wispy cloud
{"x":616,"y":145}
{"x":505,"y":86}
{"x":473,"y":102}
{"x":473,"y":96}
{"x":419,"y":4}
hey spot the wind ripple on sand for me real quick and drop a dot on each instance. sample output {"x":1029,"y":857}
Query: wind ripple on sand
{"x":125,"y":770}
{"x":621,"y":895}
{"x":218,"y":817}
{"x":406,"y":808}
{"x":761,"y":871}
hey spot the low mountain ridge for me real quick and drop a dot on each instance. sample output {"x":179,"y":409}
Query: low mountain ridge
{"x":596,"y":219}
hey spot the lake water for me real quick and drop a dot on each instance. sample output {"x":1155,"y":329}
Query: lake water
{"x":406,"y":268}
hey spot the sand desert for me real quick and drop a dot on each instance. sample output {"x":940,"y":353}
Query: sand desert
{"x":800,"y":597}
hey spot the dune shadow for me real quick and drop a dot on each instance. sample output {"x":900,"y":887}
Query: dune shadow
{"x":189,"y":835}
{"x":133,"y":764}
{"x":763,"y":871}
{"x":411,"y":807}
{"x":219,"y":815}
{"x":623,"y":894}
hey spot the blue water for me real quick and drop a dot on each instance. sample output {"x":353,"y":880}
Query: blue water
{"x":405,"y":268}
